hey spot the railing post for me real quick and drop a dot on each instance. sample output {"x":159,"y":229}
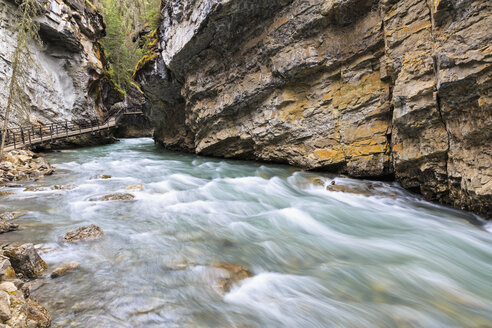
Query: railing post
{"x":41,"y":133}
{"x":66,"y":127}
{"x":92,"y":130}
{"x":29,"y":136}
{"x":22,"y":136}
{"x":13,"y":134}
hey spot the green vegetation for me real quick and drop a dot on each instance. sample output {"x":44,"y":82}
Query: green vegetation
{"x":22,"y":59}
{"x":124,"y":19}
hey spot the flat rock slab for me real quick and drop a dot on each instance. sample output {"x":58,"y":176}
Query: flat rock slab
{"x":7,"y":216}
{"x":8,"y":227}
{"x":91,"y":232}
{"x":112,"y":197}
{"x":64,"y":268}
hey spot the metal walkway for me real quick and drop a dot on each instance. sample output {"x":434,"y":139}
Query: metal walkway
{"x":40,"y":134}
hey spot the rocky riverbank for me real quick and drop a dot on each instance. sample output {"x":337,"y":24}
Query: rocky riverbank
{"x":22,"y":165}
{"x":20,"y":264}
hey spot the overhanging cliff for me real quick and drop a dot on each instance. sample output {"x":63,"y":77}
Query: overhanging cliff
{"x":68,"y":78}
{"x":365,"y":88}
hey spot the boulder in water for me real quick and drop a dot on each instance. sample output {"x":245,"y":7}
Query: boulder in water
{"x":232,"y":275}
{"x":137,"y":187}
{"x":25,"y":259}
{"x":63,"y":187}
{"x":101,"y":176}
{"x":64,"y":268}
{"x":8,"y":216}
{"x":87,"y":233}
{"x":8,"y":226}
{"x":4,"y":193}
{"x":340,"y":188}
{"x":117,"y":196}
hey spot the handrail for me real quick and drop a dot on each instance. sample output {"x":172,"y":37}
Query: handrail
{"x":35,"y":134}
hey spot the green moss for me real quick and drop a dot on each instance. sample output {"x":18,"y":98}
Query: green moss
{"x":144,"y":61}
{"x":90,"y":4}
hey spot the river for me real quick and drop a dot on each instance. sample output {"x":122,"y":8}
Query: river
{"x":319,"y":258}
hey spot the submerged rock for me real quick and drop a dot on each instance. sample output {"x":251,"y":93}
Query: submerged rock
{"x":64,"y":268}
{"x":4,"y":193}
{"x":110,"y":197}
{"x":341,"y":188}
{"x":233,"y":274}
{"x":8,"y":227}
{"x":91,"y":232}
{"x":25,"y":260}
{"x":137,"y":187}
{"x":8,"y":216}
{"x":63,"y":187}
{"x":101,"y":176}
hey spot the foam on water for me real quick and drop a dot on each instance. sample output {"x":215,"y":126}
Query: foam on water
{"x":319,"y":258}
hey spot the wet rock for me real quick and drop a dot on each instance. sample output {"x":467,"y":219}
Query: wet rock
{"x":5,"y":313}
{"x":63,"y":187}
{"x":27,"y":313}
{"x":23,"y":165}
{"x":64,"y":268}
{"x":8,"y":216}
{"x":101,"y":176}
{"x":6,"y":269}
{"x":111,"y":197}
{"x":25,"y":260}
{"x":4,"y":193}
{"x":87,"y":233}
{"x":233,"y":274}
{"x":8,"y":227}
{"x":36,"y":188}
{"x":317,"y":181}
{"x":340,"y":188}
{"x":8,"y":287}
{"x":137,"y":187}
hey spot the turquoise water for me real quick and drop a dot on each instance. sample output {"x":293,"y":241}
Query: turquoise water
{"x":319,"y":258}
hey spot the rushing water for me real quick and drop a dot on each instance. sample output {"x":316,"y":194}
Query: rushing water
{"x":319,"y":258}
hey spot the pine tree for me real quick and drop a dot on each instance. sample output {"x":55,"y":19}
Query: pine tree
{"x":22,"y":59}
{"x":123,"y":18}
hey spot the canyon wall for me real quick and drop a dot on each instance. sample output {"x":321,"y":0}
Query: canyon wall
{"x":376,"y":89}
{"x":68,"y":78}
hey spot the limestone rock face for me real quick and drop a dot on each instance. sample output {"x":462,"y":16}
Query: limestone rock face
{"x":366,"y":88}
{"x":69,"y":80}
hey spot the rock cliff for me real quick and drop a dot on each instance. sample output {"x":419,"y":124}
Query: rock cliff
{"x":69,"y":80}
{"x":367,"y":88}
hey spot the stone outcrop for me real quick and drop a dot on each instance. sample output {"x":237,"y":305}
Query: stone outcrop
{"x":69,"y":80}
{"x":17,"y":308}
{"x":367,"y":88}
{"x":25,"y":260}
{"x":23,"y":165}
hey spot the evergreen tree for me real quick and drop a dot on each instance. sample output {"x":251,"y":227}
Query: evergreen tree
{"x":123,"y":19}
{"x":22,"y":59}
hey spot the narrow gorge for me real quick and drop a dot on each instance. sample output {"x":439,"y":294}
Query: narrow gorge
{"x":245,"y":163}
{"x":370,"y":89}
